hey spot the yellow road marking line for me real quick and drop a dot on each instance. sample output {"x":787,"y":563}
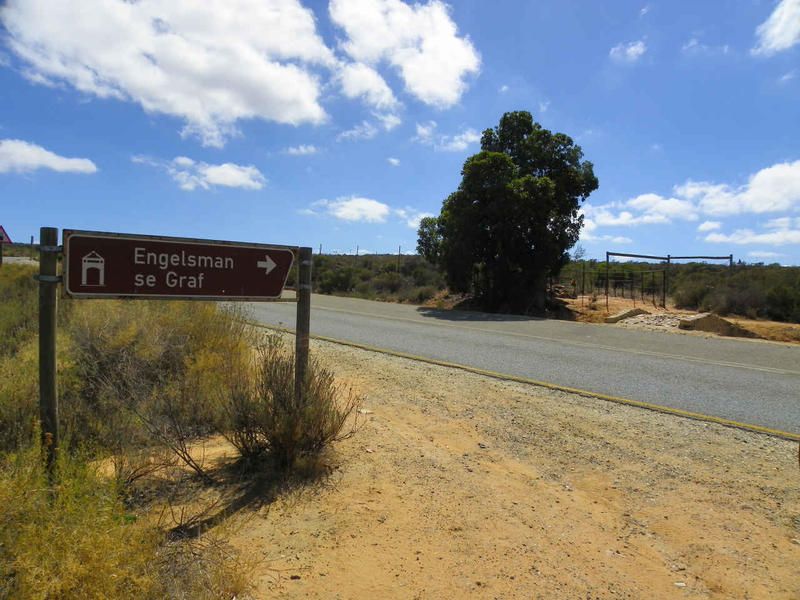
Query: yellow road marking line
{"x":553,"y":386}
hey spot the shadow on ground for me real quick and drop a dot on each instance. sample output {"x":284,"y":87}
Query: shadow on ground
{"x":465,"y":312}
{"x":197,"y":504}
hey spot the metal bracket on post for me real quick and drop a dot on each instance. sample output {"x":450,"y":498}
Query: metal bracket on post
{"x":49,"y":278}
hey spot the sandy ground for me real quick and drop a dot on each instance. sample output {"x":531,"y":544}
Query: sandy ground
{"x":666,"y":320}
{"x":462,"y":485}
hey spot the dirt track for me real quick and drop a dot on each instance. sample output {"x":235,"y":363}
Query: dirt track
{"x":463,"y":485}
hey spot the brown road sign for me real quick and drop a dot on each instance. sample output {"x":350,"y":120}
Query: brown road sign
{"x":114,"y":265}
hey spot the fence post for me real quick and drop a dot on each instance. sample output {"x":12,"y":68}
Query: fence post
{"x":607,"y":267}
{"x":303,"y":328}
{"x":48,"y":298}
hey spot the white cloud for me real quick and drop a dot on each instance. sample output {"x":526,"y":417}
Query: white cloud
{"x":190,"y":174}
{"x":411,"y":216}
{"x":388,"y":120}
{"x":544,"y":105}
{"x":301,"y":150}
{"x":588,"y":235}
{"x":670,"y":208}
{"x":420,"y":41}
{"x":395,"y":162}
{"x":362,"y":81}
{"x":764,"y":254}
{"x":694,"y":48}
{"x":770,"y":190}
{"x":782,"y":223}
{"x":776,"y":188}
{"x":628,"y":53}
{"x":209,"y":63}
{"x":428,"y":135}
{"x":779,"y":232}
{"x":459,"y":142}
{"x":18,"y":156}
{"x":709,"y":226}
{"x":787,"y":77}
{"x":355,"y":208}
{"x":425,"y":132}
{"x":645,"y":9}
{"x":748,"y":236}
{"x":602,"y":216}
{"x":645,"y":209}
{"x":362,"y":131}
{"x":503,"y":89}
{"x":781,"y":30}
{"x":620,"y":239}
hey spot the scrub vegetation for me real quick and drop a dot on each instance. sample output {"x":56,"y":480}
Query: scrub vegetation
{"x":756,"y":291}
{"x":409,"y":279}
{"x":141,"y":386}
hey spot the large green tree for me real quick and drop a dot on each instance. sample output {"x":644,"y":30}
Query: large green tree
{"x":514,"y":216}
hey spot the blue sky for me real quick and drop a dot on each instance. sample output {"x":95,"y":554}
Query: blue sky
{"x":341,"y":123}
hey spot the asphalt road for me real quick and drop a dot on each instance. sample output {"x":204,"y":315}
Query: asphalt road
{"x":752,"y":382}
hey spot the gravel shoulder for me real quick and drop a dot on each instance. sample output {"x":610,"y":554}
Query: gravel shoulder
{"x":462,"y":484}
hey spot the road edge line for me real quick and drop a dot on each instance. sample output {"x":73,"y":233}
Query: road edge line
{"x":677,"y":412}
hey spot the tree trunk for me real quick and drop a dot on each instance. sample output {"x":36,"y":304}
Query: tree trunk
{"x":538,"y":293}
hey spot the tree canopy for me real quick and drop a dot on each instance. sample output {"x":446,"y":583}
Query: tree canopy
{"x":514,"y":216}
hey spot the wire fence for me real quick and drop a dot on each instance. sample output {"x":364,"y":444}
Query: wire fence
{"x":644,"y":287}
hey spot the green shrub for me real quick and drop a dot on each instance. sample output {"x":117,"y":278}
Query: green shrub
{"x":339,"y":280}
{"x":388,"y":282}
{"x":783,"y":303}
{"x":266,"y":419}
{"x":375,"y":276}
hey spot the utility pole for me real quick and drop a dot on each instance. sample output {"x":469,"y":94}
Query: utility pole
{"x":398,"y":258}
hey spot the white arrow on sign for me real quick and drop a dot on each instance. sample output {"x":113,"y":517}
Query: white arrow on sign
{"x":267,"y":265}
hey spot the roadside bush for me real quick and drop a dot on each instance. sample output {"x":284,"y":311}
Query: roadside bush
{"x":339,"y":280}
{"x":417,"y":295}
{"x":364,"y":290}
{"x":151,"y":373}
{"x":388,"y":282}
{"x":376,"y":276}
{"x":267,"y":421}
{"x":76,"y":541}
{"x":18,"y":305}
{"x":783,"y":303}
{"x":131,"y":374}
